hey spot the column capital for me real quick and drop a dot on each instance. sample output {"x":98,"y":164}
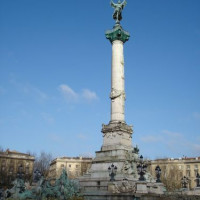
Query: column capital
{"x":117,"y":33}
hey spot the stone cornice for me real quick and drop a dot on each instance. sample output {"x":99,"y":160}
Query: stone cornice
{"x":117,"y":33}
{"x":118,"y":126}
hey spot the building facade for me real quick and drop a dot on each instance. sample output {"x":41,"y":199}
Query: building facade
{"x":74,"y":166}
{"x":174,"y":170}
{"x":12,"y":162}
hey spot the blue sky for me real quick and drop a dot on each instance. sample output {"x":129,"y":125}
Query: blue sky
{"x":55,"y":69}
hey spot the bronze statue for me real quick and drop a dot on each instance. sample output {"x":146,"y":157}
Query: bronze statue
{"x":117,"y":15}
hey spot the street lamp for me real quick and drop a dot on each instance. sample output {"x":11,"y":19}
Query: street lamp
{"x":158,"y":173}
{"x":112,"y":172}
{"x":20,"y":181}
{"x":37,"y":175}
{"x":141,"y":168}
{"x":184,"y":181}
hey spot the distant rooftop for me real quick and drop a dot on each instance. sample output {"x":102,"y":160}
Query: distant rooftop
{"x":14,"y":153}
{"x":176,"y":159}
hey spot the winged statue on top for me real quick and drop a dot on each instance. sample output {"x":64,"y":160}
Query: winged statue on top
{"x":117,"y":15}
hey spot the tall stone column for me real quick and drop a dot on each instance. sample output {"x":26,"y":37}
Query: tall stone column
{"x":117,"y":37}
{"x":117,"y":134}
{"x":117,"y":84}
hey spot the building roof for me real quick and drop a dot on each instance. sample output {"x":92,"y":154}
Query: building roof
{"x":15,"y":154}
{"x":73,"y":159}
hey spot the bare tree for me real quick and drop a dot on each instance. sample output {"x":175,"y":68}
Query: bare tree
{"x":171,"y":177}
{"x":42,"y":162}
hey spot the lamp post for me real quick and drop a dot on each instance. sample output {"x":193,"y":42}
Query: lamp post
{"x":141,"y":168}
{"x":158,"y":173}
{"x":20,"y":181}
{"x":198,"y":180}
{"x":184,"y":182}
{"x":112,"y":172}
{"x":37,"y":175}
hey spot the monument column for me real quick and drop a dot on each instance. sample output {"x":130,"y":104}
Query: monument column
{"x":117,"y":150}
{"x":117,"y":134}
{"x":117,"y":84}
{"x":117,"y":37}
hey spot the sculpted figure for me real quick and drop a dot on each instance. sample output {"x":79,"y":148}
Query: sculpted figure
{"x":130,"y":165}
{"x":117,"y":15}
{"x":124,"y":187}
{"x":126,"y":169}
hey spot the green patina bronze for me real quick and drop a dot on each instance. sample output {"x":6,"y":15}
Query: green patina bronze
{"x":117,"y":33}
{"x":118,"y":7}
{"x":62,"y":189}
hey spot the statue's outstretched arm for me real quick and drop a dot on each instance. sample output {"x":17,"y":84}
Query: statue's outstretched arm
{"x":113,"y":4}
{"x":123,"y":3}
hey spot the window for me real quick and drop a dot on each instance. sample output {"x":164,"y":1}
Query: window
{"x":188,"y":173}
{"x":77,"y":166}
{"x":196,"y":170}
{"x":180,"y":167}
{"x":188,"y":170}
{"x":98,"y":184}
{"x":188,"y":167}
{"x":70,"y":166}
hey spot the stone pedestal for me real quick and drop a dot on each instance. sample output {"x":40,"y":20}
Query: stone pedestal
{"x":117,"y":135}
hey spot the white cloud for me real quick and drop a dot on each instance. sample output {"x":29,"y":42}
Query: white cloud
{"x":68,"y":92}
{"x":72,"y":96}
{"x":89,"y":95}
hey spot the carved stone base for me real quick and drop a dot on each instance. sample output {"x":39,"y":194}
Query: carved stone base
{"x":117,"y":149}
{"x":117,"y":135}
